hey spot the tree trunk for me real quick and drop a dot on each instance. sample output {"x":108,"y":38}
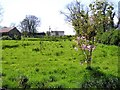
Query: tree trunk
{"x":89,"y":62}
{"x":104,"y":26}
{"x":89,"y":58}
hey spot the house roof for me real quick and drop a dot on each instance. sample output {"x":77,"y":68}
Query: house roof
{"x":5,"y":29}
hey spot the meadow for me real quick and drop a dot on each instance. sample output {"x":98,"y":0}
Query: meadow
{"x":56,"y":64}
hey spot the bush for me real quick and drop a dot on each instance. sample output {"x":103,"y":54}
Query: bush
{"x":10,"y":38}
{"x":111,"y":37}
{"x":103,"y":83}
{"x":6,"y":38}
{"x":58,"y":38}
{"x":23,"y":83}
{"x":115,"y":38}
{"x":52,"y":38}
{"x":16,"y":37}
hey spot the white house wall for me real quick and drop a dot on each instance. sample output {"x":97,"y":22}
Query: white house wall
{"x":53,"y":34}
{"x":61,"y":34}
{"x":57,"y":33}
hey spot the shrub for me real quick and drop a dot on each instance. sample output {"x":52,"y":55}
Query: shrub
{"x":103,"y":83}
{"x":36,"y":49}
{"x":33,"y":39}
{"x":115,"y":38}
{"x":111,"y":37}
{"x":52,"y":79}
{"x":10,"y":46}
{"x":24,"y":82}
{"x":52,"y":38}
{"x":6,"y":38}
{"x":16,"y":37}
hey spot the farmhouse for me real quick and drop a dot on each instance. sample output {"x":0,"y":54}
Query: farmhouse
{"x":12,"y":32}
{"x":56,"y":33}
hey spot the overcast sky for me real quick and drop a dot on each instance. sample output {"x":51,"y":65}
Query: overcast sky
{"x":47,"y":10}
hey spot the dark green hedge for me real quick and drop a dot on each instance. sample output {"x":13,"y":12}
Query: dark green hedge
{"x":52,"y":38}
{"x":111,"y":37}
{"x":10,"y":38}
{"x":5,"y":38}
{"x":103,"y":83}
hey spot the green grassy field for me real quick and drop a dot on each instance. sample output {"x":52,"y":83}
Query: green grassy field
{"x":45,"y":64}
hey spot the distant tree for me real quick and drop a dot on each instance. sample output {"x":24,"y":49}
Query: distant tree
{"x":29,"y":24}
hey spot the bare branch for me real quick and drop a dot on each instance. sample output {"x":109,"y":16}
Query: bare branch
{"x":30,"y":24}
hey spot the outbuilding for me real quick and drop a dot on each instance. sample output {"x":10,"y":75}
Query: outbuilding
{"x":12,"y":32}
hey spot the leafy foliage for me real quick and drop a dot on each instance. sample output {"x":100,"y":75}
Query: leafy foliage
{"x":103,"y":83}
{"x":29,"y":25}
{"x":6,"y":38}
{"x":111,"y":37}
{"x":10,"y":38}
{"x":52,"y":38}
{"x":100,"y":80}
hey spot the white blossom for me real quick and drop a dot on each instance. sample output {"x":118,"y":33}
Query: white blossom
{"x":76,"y":48}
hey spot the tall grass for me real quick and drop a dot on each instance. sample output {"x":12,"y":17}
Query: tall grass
{"x":45,"y":64}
